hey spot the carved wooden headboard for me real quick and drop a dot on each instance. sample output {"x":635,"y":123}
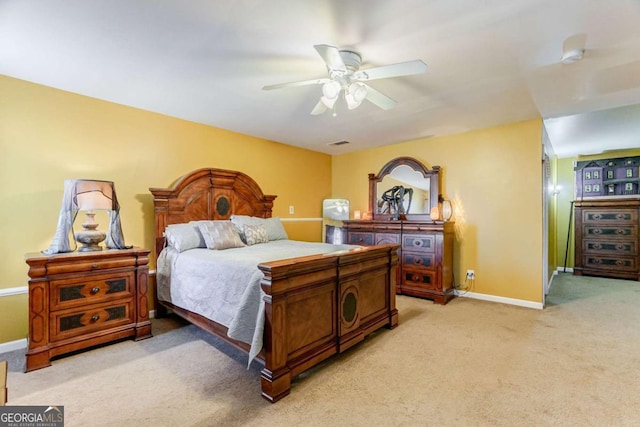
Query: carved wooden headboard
{"x":208,"y":194}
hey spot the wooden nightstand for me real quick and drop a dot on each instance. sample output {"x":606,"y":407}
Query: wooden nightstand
{"x":82,"y":299}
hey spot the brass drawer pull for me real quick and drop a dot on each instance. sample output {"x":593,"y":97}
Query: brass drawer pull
{"x":95,"y":290}
{"x":95,"y":318}
{"x":94,"y":266}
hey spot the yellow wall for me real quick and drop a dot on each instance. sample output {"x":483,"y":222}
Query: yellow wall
{"x":494,"y":178}
{"x":48,"y":135}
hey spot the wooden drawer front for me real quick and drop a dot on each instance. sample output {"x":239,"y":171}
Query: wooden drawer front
{"x":357,"y":238}
{"x":619,"y":216}
{"x":90,"y":290}
{"x":418,"y":260}
{"x":421,"y":278}
{"x":419,"y":242}
{"x":95,"y":265}
{"x":612,"y":248}
{"x":626,"y":231}
{"x":610,"y":262}
{"x":85,"y":320}
{"x":387,"y":238}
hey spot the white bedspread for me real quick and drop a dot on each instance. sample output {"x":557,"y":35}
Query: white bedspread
{"x":224,"y":285}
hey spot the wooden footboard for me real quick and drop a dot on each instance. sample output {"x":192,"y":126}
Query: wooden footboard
{"x":321,"y":305}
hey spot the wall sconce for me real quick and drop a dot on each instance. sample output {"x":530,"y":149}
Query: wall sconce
{"x":447,"y":210}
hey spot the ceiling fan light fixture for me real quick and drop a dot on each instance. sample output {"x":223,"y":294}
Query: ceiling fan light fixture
{"x":572,"y":55}
{"x":356,"y":93}
{"x":328,"y":102}
{"x":331,"y":90}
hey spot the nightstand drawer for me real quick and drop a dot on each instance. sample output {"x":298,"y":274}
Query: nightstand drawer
{"x":92,"y":265}
{"x":71,"y":323}
{"x":90,"y":289}
{"x":419,"y":242}
{"x":418,"y":260}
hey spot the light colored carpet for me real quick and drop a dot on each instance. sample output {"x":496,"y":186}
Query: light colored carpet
{"x":469,"y":363}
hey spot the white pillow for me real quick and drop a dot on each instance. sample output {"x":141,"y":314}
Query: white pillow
{"x":275,"y":229}
{"x":183,"y":237}
{"x":220,"y":235}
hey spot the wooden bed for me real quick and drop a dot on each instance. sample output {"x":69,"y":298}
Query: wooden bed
{"x":315,"y":306}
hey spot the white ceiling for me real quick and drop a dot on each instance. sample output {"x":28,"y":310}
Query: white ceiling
{"x":489,"y":62}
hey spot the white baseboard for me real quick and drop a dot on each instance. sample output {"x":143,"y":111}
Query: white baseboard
{"x":562,"y":270}
{"x":502,"y":300}
{"x":13,"y":345}
{"x":14,"y":291}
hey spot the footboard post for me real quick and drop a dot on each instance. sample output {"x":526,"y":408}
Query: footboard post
{"x":393,"y":266}
{"x":275,"y":377}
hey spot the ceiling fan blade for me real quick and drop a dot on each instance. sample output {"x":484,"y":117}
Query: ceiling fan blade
{"x":331,"y":56}
{"x":379,"y":99}
{"x":319,"y":108}
{"x":300,"y":83}
{"x":392,"y":70}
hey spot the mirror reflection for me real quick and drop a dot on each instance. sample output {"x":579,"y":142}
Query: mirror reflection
{"x":403,"y":191}
{"x":334,"y":211}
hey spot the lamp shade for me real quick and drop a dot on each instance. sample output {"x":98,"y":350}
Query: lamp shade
{"x":94,"y":195}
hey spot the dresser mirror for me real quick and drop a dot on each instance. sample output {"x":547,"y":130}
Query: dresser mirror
{"x":403,"y":189}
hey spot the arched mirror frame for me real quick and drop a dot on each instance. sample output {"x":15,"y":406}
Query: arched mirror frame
{"x":434,"y":188}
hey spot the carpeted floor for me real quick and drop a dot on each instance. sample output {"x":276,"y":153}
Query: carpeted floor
{"x":469,"y":363}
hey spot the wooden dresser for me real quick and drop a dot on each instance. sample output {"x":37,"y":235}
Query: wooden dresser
{"x":425,"y":267}
{"x":607,"y":239}
{"x":82,"y":299}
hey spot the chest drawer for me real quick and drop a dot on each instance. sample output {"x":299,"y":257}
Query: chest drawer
{"x":387,"y":238}
{"x":90,"y":289}
{"x":361,"y":238}
{"x":612,"y":248}
{"x":610,"y":231}
{"x":425,"y":279}
{"x":85,"y":320}
{"x":597,"y":261}
{"x":418,"y":260}
{"x":604,"y":216}
{"x":419,"y":242}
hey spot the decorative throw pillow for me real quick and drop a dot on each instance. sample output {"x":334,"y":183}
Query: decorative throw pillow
{"x":275,"y":229}
{"x":220,"y":235}
{"x":183,"y":237}
{"x":254,"y":234}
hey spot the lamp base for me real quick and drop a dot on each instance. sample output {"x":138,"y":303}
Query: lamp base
{"x":90,"y":240}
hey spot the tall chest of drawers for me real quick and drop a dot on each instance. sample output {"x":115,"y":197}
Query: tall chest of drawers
{"x":606,"y":242}
{"x":425,"y":267}
{"x":82,"y":299}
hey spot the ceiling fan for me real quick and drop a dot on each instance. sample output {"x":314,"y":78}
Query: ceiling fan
{"x":346,"y":77}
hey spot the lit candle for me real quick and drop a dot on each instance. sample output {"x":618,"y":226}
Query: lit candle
{"x":434,"y":214}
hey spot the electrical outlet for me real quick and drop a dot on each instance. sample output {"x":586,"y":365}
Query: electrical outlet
{"x":291,"y":210}
{"x":471,"y":275}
